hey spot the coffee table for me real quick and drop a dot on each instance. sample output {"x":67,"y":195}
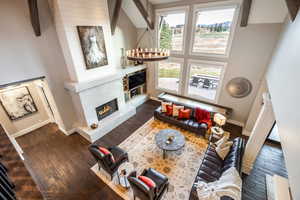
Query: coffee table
{"x":163,"y":142}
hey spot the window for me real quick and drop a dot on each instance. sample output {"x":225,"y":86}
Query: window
{"x":171,"y":30}
{"x":169,"y":73}
{"x":213,"y":30}
{"x":204,"y":79}
{"x":196,"y":69}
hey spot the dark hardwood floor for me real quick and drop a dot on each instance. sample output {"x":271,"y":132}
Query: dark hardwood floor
{"x":61,"y":164}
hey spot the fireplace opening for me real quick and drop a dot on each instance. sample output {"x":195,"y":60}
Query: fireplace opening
{"x":107,"y":109}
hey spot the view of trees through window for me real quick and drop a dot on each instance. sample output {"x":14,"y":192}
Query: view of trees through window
{"x":212,"y":31}
{"x":171,"y":31}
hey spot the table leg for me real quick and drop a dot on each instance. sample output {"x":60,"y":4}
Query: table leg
{"x":164,"y":154}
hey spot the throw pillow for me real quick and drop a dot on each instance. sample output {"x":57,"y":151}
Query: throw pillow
{"x":169,"y":110}
{"x":184,"y":114}
{"x":223,"y":151}
{"x":203,"y":116}
{"x":164,"y":106}
{"x":221,"y":142}
{"x":176,"y":110}
{"x":147,"y":181}
{"x":107,"y":152}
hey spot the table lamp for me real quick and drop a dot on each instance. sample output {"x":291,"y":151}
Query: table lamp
{"x":220,"y":121}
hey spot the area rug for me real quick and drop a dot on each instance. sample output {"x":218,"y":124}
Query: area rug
{"x":180,"y":166}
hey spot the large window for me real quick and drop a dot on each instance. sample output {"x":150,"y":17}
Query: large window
{"x":204,"y":79}
{"x":195,"y":69}
{"x":169,"y":74}
{"x":171,"y":30}
{"x":213,"y":30}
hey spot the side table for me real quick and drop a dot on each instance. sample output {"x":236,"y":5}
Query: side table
{"x":124,"y":170}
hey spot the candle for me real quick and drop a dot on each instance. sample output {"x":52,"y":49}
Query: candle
{"x":150,"y":55}
{"x":151,"y":50}
{"x":155,"y":50}
{"x":146,"y":50}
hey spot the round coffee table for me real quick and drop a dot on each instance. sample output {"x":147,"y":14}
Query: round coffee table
{"x":169,"y":140}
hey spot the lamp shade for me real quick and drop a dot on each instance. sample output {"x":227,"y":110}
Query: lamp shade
{"x":219,"y":119}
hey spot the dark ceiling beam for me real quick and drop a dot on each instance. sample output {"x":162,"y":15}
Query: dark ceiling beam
{"x":144,"y":13}
{"x":246,"y":12}
{"x":115,"y":16}
{"x":34,"y":17}
{"x":293,"y":7}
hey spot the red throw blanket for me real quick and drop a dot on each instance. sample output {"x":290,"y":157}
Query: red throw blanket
{"x":203,"y":116}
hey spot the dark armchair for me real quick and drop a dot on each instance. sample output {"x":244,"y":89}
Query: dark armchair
{"x":142,"y":191}
{"x":106,"y":162}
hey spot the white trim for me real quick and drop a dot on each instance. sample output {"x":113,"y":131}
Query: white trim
{"x":170,"y":60}
{"x":32,"y":128}
{"x":154,"y":98}
{"x":246,"y":132}
{"x":69,"y":132}
{"x":234,"y":122}
{"x":215,"y":6}
{"x":173,"y":10}
{"x":215,"y":64}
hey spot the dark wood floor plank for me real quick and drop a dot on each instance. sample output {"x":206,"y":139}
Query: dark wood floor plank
{"x":61,"y":164}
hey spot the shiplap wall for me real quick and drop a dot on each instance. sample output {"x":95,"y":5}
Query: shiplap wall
{"x":70,"y":14}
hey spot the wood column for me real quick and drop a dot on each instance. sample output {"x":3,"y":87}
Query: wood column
{"x":259,"y":134}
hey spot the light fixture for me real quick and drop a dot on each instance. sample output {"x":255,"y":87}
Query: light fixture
{"x":220,"y":121}
{"x":147,"y":55}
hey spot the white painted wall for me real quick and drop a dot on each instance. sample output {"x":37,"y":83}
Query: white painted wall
{"x":283,"y":82}
{"x":25,"y":56}
{"x":15,"y":126}
{"x":251,"y":51}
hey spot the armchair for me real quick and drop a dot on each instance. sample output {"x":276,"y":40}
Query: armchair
{"x":106,"y":162}
{"x":142,"y":191}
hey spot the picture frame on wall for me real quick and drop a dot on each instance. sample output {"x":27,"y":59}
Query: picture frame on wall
{"x":17,"y":102}
{"x":93,"y":46}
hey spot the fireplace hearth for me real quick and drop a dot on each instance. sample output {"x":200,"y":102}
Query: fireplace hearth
{"x":107,"y":109}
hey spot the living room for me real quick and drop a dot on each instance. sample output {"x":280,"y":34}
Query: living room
{"x":158,"y":99}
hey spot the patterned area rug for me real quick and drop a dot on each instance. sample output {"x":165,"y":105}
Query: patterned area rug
{"x":179,"y":166}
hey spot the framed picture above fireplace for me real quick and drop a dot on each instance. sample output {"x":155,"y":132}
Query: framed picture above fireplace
{"x":93,"y":46}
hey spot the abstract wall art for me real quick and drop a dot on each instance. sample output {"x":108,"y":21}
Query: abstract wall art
{"x":17,"y":102}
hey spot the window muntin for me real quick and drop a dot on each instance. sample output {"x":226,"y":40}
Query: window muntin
{"x":213,"y":30}
{"x":171,"y":32}
{"x":205,"y":79}
{"x":168,"y":75}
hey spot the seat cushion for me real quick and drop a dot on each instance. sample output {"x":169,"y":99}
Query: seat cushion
{"x":159,"y":179}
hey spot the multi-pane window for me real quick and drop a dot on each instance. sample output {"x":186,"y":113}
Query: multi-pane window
{"x":171,"y":31}
{"x":204,"y":79}
{"x":201,"y":42}
{"x":212,"y":30}
{"x":169,"y":73}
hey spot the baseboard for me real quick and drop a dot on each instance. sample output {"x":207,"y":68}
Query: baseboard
{"x":154,"y":98}
{"x":234,"y":122}
{"x":32,"y":128}
{"x":69,"y":132}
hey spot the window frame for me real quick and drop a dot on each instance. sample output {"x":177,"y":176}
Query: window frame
{"x":167,"y":11}
{"x":214,"y":6}
{"x":175,"y":60}
{"x":223,"y":66}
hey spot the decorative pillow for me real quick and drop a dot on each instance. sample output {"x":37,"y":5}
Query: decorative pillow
{"x":221,"y":142}
{"x":176,"y":110}
{"x":106,"y":152}
{"x":184,"y":114}
{"x":169,"y":110}
{"x":202,"y":115}
{"x":164,"y":106}
{"x":147,"y":181}
{"x":223,"y":151}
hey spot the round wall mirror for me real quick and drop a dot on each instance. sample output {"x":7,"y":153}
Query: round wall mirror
{"x":239,"y":87}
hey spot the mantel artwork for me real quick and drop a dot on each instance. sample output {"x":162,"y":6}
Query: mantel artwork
{"x":93,"y":46}
{"x":17,"y":102}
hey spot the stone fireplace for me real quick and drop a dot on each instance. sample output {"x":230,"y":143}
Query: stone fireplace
{"x":107,"y":109}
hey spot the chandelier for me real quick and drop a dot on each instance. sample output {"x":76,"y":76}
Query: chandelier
{"x":147,"y":55}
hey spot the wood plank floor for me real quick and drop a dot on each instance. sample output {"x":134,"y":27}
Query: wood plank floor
{"x":61,"y":164}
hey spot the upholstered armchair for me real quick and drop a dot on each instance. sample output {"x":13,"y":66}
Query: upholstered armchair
{"x":143,"y":191}
{"x":109,"y":162}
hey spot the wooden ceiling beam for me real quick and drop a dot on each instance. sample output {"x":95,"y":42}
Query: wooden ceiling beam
{"x":144,"y":13}
{"x":115,"y":16}
{"x":293,"y":7}
{"x":34,"y":17}
{"x":246,"y":12}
